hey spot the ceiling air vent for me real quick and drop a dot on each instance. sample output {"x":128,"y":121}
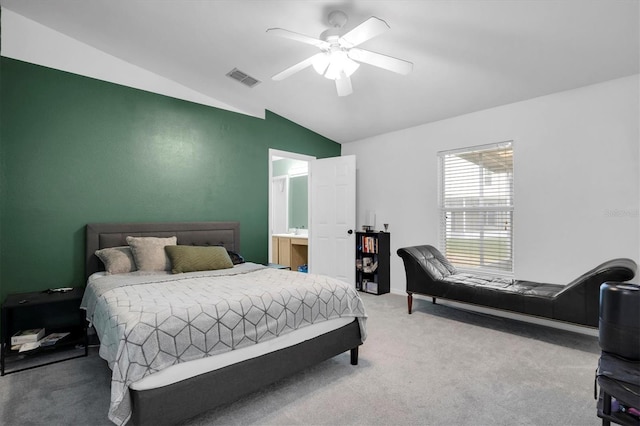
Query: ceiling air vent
{"x":243,"y":78}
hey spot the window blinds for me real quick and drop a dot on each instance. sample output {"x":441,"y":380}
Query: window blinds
{"x":476,"y":205}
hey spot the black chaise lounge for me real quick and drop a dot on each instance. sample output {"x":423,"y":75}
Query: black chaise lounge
{"x":430,"y":273}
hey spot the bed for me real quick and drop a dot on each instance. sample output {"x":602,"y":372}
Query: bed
{"x":164,"y":383}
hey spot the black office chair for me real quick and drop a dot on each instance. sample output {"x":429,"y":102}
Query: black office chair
{"x":618,"y":373}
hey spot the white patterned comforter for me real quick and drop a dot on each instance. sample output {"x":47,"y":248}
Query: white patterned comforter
{"x":149,"y":322}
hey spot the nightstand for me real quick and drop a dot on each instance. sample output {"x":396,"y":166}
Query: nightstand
{"x":56,"y":312}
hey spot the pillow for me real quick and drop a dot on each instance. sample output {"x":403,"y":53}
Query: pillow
{"x":196,"y":258}
{"x":117,"y":260}
{"x":235,"y":257}
{"x":148,"y":252}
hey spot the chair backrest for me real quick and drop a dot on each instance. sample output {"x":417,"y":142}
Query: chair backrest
{"x":431,"y":260}
{"x":620,"y":270}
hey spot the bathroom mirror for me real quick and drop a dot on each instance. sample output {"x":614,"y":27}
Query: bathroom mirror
{"x":290,"y":195}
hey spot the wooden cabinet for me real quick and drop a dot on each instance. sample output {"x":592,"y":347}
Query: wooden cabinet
{"x":372,"y":262}
{"x":290,"y":251}
{"x":281,"y":251}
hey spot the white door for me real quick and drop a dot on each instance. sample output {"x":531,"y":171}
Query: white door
{"x":333,"y":217}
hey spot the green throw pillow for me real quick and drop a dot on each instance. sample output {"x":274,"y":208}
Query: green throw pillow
{"x":195,"y":258}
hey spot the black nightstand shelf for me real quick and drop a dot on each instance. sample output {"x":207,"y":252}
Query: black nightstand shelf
{"x":56,"y":312}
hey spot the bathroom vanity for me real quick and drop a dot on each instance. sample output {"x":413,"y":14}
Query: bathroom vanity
{"x":290,"y":250}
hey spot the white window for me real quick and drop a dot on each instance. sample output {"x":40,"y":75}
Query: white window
{"x":476,"y":207}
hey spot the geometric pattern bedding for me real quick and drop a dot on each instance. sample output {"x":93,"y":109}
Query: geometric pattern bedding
{"x":148,"y":322}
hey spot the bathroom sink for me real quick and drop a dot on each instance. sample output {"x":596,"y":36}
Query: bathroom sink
{"x":293,"y":235}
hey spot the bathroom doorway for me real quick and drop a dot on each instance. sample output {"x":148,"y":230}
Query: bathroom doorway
{"x":288,"y":195}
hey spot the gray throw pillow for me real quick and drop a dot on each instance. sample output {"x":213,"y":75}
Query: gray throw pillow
{"x":117,"y":260}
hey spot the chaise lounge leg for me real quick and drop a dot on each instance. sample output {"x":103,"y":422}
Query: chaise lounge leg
{"x":409,"y":301}
{"x":354,"y":356}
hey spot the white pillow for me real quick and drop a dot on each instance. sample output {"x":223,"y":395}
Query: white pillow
{"x":149,"y":254}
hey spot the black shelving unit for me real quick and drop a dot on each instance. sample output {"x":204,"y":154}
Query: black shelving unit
{"x":56,"y":312}
{"x":372,"y":262}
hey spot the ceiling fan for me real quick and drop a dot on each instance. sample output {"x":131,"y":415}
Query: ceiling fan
{"x":339,"y":57}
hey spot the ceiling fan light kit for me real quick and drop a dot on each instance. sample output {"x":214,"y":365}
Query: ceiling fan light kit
{"x":332,"y":64}
{"x":339,"y":58}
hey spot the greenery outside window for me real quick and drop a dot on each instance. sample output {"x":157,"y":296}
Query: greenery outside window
{"x":476,"y":207}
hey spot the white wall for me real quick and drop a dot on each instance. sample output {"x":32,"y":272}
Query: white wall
{"x":26,"y":40}
{"x":576,"y":171}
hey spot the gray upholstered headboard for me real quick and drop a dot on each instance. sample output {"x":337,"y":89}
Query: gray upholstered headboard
{"x":102,"y":235}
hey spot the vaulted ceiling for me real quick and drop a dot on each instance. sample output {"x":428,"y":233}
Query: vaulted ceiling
{"x":467,"y":55}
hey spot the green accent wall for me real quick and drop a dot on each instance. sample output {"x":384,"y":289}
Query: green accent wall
{"x":76,"y":150}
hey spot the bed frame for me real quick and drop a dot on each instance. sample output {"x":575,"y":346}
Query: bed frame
{"x":188,"y":398}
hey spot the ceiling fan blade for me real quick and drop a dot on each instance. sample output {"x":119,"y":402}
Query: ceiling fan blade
{"x":382,"y":61}
{"x":363,"y":32}
{"x":343,"y":85}
{"x":297,"y":67}
{"x":299,"y":37}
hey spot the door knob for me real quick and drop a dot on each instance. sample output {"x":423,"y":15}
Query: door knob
{"x":350,"y":231}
